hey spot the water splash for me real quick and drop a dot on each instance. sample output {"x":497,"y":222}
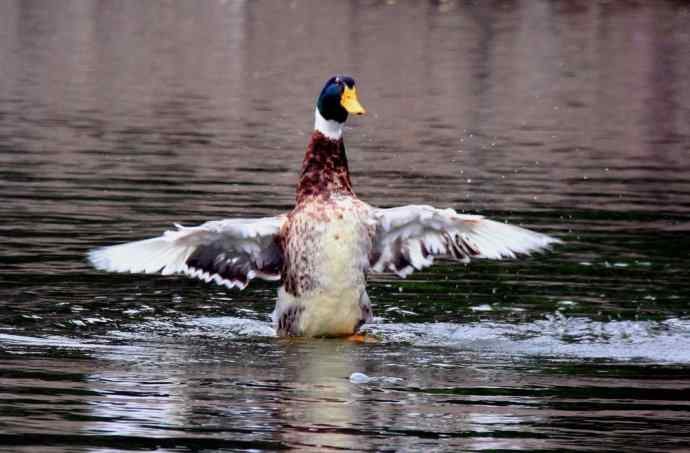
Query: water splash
{"x":556,"y":335}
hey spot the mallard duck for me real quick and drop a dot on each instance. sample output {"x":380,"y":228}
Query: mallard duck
{"x":323,"y":249}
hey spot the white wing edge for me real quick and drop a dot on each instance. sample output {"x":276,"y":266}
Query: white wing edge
{"x":496,"y":240}
{"x":165,"y":254}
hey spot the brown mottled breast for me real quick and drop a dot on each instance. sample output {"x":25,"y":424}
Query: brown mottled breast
{"x":326,"y":244}
{"x":324,"y":198}
{"x":324,"y":170}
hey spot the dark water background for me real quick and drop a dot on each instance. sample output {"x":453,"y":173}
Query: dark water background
{"x":118,"y":118}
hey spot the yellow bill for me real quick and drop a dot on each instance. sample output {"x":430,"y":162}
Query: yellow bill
{"x":350,"y":102}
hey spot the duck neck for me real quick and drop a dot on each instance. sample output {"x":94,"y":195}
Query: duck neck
{"x":324,"y":170}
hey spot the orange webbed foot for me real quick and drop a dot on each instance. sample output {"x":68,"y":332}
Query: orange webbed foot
{"x":362,"y":338}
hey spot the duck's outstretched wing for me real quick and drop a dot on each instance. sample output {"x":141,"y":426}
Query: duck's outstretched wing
{"x":227,"y":252}
{"x":408,"y":238}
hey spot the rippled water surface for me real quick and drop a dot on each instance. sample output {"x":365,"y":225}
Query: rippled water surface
{"x":573,"y":118}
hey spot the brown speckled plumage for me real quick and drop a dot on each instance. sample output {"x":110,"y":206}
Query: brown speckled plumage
{"x":324,"y":173}
{"x":327,"y":213}
{"x":287,"y":322}
{"x":324,"y":170}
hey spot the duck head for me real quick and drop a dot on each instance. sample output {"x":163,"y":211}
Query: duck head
{"x":338,"y":98}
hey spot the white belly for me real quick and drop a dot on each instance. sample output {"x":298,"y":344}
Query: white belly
{"x":324,"y":312}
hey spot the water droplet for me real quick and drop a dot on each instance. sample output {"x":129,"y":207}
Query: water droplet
{"x":359,"y":378}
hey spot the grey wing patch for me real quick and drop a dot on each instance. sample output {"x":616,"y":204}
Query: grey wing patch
{"x":405,"y":255}
{"x":233,"y":268}
{"x":408,"y":238}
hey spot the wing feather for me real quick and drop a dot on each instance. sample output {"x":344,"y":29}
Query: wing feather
{"x":228,"y":252}
{"x":408,"y":238}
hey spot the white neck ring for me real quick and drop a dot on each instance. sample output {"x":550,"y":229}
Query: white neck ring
{"x":329,"y":128}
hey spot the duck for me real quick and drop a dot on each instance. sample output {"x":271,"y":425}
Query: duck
{"x":323,"y":250}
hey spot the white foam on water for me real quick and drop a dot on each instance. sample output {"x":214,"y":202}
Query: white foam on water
{"x":241,"y":327}
{"x":222,"y":327}
{"x":554,"y":336}
{"x":557,"y":335}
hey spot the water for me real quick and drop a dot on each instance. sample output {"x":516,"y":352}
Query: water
{"x":119,"y":118}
